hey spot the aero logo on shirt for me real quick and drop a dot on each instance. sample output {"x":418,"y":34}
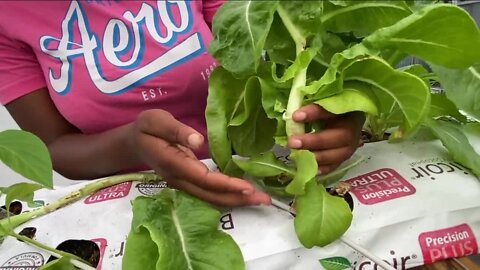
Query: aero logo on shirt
{"x":120,"y":38}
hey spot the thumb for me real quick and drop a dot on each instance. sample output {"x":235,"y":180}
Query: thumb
{"x":194,"y":140}
{"x":162,"y":124}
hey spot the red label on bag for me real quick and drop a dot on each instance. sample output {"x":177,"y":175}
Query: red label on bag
{"x":110,"y":193}
{"x":451,"y":242}
{"x":379,"y":186}
{"x":102,"y":245}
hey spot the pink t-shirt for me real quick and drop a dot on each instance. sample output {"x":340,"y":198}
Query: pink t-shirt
{"x":105,"y":61}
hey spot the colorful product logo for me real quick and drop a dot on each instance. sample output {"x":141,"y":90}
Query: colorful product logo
{"x":446,"y":243}
{"x":379,"y":186}
{"x":110,"y":193}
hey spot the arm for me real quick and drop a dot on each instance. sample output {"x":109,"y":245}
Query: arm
{"x":74,"y":155}
{"x":165,"y":148}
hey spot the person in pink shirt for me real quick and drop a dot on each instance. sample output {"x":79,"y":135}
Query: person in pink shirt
{"x":113,"y":86}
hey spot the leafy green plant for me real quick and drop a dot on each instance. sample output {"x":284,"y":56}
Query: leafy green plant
{"x":177,"y":231}
{"x":277,"y":56}
{"x":27,"y":155}
{"x":169,"y":223}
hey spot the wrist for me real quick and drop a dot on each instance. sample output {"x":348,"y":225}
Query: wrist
{"x":130,"y":140}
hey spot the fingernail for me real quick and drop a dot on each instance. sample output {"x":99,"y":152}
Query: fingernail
{"x":195,"y":140}
{"x":295,"y":143}
{"x":300,"y":116}
{"x":247,"y":191}
{"x":319,"y":172}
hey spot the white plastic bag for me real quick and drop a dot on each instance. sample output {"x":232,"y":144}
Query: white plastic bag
{"x":412,"y":206}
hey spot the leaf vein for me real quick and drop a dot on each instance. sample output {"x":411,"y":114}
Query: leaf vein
{"x":179,"y":230}
{"x":249,"y":26}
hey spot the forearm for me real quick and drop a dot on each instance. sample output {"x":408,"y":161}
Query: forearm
{"x":74,"y":155}
{"x":80,"y":156}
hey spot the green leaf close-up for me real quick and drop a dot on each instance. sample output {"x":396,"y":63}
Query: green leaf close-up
{"x":408,"y":91}
{"x":349,"y":100}
{"x":442,"y":106}
{"x":338,"y":63}
{"x":335,"y":263}
{"x":250,"y":130}
{"x":247,"y":23}
{"x":302,"y":20}
{"x":462,"y":87}
{"x":454,"y":139}
{"x":430,"y":35}
{"x":307,"y":169}
{"x":177,"y":231}
{"x":301,"y":62}
{"x":264,"y":165}
{"x":321,"y":218}
{"x":225,"y":92}
{"x":27,"y":155}
{"x":372,"y":15}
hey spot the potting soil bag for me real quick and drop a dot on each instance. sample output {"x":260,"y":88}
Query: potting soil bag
{"x":412,"y":205}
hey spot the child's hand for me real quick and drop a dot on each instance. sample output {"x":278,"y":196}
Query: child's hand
{"x":335,"y":143}
{"x":165,"y":145}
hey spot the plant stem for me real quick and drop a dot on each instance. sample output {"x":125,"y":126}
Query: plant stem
{"x":296,"y":96}
{"x":295,"y":100}
{"x":376,"y":126}
{"x":54,"y":252}
{"x":15,"y":221}
{"x":291,"y":28}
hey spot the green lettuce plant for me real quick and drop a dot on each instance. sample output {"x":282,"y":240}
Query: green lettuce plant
{"x":171,"y":230}
{"x":277,"y":56}
{"x":27,"y":155}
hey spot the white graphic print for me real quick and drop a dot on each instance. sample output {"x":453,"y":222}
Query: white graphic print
{"x":118,"y":39}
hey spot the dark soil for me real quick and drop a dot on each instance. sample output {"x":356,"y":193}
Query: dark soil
{"x":85,"y":249}
{"x":368,"y":138}
{"x":347,"y":197}
{"x":28,"y":232}
{"x":15,"y":208}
